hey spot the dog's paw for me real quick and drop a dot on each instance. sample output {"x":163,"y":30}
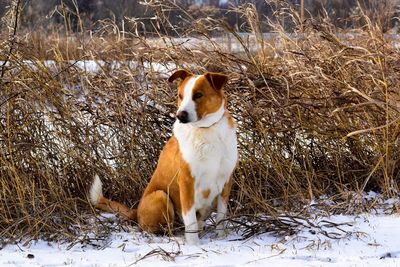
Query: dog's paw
{"x":192,"y":239}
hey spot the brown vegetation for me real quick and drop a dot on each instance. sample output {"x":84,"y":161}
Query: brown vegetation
{"x":318,"y":114}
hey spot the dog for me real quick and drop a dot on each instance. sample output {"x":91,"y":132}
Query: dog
{"x":194,"y":170}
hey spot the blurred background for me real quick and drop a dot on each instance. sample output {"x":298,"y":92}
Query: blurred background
{"x":342,"y":13}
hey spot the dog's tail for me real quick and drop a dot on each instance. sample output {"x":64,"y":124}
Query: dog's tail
{"x":107,"y":205}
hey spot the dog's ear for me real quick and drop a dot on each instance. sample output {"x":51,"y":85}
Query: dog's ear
{"x":182,"y":74}
{"x":217,"y":80}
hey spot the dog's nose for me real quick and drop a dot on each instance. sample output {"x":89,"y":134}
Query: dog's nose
{"x":183,"y":116}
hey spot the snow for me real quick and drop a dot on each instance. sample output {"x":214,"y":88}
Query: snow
{"x":366,"y":240}
{"x":96,"y":66}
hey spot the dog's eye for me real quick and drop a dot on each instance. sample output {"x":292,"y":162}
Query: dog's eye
{"x":197,"y":95}
{"x":180,"y":96}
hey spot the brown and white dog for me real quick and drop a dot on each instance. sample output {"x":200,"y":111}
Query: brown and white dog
{"x":193,"y":174}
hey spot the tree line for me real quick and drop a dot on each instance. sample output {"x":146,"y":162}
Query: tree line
{"x":85,"y":13}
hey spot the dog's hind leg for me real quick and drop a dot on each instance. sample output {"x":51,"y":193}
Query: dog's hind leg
{"x":156,"y":212}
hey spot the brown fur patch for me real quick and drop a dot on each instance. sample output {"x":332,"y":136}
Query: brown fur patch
{"x":211,"y":100}
{"x":156,"y":212}
{"x":181,"y":74}
{"x":206,"y":193}
{"x":165,"y":176}
{"x":186,"y":185}
{"x":227,"y":190}
{"x":231,"y":122}
{"x":217,"y":80}
{"x":107,"y":205}
{"x":173,"y":176}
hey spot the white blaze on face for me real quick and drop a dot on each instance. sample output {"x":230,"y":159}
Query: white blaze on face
{"x":187,"y":103}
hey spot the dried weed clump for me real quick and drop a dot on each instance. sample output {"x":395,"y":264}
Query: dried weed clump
{"x":318,"y":113}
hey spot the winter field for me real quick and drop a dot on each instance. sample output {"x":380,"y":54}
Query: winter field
{"x":365,"y":239}
{"x":318,"y":112}
{"x":362,"y":240}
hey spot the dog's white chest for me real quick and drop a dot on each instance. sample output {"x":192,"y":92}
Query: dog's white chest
{"x":211,"y":154}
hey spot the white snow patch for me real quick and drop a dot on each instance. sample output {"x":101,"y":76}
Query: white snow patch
{"x":373,"y":240}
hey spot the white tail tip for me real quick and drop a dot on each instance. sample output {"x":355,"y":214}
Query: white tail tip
{"x":96,"y":191}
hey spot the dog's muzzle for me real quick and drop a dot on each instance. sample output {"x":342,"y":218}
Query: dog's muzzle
{"x":183,"y":116}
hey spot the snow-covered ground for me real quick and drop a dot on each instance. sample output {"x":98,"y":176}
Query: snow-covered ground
{"x":364,"y":240}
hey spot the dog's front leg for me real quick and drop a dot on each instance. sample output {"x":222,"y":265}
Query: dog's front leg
{"x":187,"y":197}
{"x":221,"y":212}
{"x":191,"y":227}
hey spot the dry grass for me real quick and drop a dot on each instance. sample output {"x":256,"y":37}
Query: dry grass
{"x":318,"y":115}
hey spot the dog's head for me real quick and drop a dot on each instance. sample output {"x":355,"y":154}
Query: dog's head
{"x":200,"y":97}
